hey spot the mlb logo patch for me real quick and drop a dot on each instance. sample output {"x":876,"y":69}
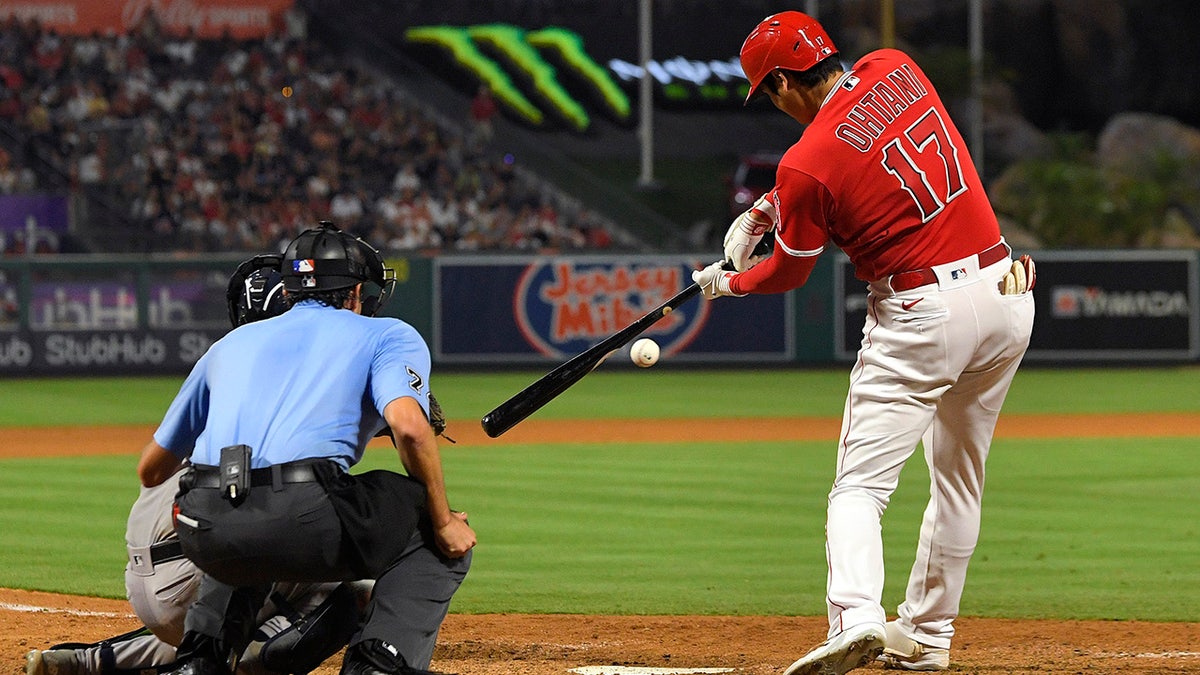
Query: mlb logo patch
{"x":302,"y":265}
{"x":960,"y":273}
{"x":308,"y":282}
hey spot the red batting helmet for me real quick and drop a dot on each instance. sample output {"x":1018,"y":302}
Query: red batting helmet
{"x":787,"y":40}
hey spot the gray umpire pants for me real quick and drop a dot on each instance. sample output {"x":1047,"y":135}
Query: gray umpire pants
{"x":292,"y":532}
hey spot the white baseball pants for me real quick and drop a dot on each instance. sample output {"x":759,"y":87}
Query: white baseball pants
{"x":935,"y":365}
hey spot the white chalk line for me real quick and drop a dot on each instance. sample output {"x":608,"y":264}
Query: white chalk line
{"x":638,"y":670}
{"x":1148,"y":655}
{"x":54,"y":610}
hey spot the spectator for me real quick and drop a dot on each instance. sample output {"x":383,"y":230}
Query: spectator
{"x":406,"y":179}
{"x":93,"y":163}
{"x":209,"y":140}
{"x":346,"y":205}
{"x":15,"y":179}
{"x":483,"y":110}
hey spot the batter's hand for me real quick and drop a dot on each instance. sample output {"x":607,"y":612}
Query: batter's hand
{"x":746,"y":231}
{"x":714,"y":281}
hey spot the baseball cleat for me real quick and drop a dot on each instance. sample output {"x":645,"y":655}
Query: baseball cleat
{"x":852,"y":648}
{"x":53,"y":662}
{"x":905,"y":653}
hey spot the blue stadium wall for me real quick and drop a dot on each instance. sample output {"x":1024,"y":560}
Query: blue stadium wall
{"x":73,"y":315}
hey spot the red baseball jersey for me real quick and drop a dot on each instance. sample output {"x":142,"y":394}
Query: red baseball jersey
{"x":881,"y":172}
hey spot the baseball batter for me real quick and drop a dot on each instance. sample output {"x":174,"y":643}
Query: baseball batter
{"x":882,"y":173}
{"x":299,"y":626}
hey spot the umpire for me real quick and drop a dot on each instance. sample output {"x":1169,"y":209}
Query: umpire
{"x":272,"y":417}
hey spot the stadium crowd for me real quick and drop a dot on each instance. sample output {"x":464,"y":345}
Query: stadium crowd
{"x":238,"y":145}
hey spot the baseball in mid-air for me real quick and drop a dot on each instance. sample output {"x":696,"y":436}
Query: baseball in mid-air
{"x":644,"y":352}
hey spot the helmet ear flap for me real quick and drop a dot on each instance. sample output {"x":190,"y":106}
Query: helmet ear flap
{"x":379,"y":275}
{"x":369,"y":305}
{"x":373,"y":261}
{"x":246,"y":306}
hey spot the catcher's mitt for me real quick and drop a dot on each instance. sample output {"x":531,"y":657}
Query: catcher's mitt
{"x":437,"y":418}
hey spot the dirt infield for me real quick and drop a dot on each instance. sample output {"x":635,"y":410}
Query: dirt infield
{"x":614,"y":645}
{"x":119,"y":440}
{"x":492,"y":644}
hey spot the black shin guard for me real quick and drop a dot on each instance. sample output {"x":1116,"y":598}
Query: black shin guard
{"x":312,"y":638}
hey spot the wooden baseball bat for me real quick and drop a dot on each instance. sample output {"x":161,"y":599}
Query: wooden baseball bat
{"x":531,"y":399}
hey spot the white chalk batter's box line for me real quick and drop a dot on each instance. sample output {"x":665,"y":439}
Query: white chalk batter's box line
{"x":637,"y":670}
{"x":1147,"y":655}
{"x":71,"y":612}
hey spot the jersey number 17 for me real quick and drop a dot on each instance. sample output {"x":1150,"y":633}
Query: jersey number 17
{"x":932,"y":154}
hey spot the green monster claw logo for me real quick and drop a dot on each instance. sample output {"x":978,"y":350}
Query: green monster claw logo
{"x":496,"y":53}
{"x":520,"y":48}
{"x":569,"y":47}
{"x":465,"y":52}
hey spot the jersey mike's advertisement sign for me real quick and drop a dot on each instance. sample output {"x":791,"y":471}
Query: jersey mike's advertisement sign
{"x":1091,"y":306}
{"x":564,"y":308}
{"x":508,"y":310}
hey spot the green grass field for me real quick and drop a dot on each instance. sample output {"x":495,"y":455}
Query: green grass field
{"x":1096,"y":528}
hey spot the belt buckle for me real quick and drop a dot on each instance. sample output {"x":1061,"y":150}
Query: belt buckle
{"x":140,"y":562}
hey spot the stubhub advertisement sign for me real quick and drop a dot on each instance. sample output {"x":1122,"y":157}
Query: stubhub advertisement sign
{"x":101,"y":352}
{"x":548,"y":310}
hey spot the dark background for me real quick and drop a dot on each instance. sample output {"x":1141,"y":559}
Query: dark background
{"x":1066,"y":66}
{"x":1072,"y":63}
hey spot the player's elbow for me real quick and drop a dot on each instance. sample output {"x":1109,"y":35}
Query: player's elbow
{"x":407,"y":420}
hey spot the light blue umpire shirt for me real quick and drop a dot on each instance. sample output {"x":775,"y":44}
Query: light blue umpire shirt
{"x":309,"y":383}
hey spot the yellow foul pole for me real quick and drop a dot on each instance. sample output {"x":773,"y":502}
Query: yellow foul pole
{"x":887,"y":24}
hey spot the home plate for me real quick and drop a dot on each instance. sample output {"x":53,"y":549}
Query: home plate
{"x":639,"y":670}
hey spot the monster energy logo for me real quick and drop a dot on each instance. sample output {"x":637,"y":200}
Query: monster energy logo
{"x":493,"y":53}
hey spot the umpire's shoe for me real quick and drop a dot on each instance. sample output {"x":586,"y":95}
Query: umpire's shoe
{"x":199,"y":665}
{"x":376,"y":657}
{"x":54,"y":662}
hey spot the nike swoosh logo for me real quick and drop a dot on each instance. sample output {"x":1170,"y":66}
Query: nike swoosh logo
{"x":909,"y":305}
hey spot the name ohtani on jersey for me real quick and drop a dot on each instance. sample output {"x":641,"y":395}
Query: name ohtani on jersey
{"x":879,"y":107}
